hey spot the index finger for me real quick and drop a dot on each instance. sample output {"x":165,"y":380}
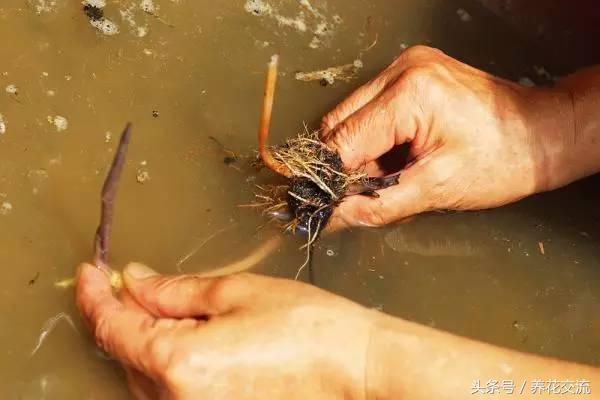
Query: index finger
{"x":124,"y":332}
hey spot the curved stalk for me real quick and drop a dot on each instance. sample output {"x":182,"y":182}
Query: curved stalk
{"x":109,"y":192}
{"x":265,"y":121}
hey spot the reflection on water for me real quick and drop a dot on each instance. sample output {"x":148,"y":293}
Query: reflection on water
{"x":423,"y":238}
{"x":186,"y":72}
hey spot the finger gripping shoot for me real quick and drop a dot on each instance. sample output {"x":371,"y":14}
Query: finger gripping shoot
{"x":318,"y":181}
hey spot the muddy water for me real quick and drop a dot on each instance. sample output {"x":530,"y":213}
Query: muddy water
{"x":194,"y":70}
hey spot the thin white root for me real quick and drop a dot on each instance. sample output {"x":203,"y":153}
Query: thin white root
{"x":49,"y":326}
{"x":311,"y":239}
{"x":65,"y":283}
{"x":200,"y":245}
{"x":116,"y":281}
{"x":248,"y":262}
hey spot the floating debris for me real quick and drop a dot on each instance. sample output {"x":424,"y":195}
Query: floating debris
{"x":541,"y":71}
{"x":95,"y":3}
{"x":94,"y":10}
{"x":463,"y":15}
{"x":148,"y":6}
{"x":155,"y":113}
{"x":521,"y":330}
{"x":258,"y":7}
{"x":5,"y":208}
{"x":44,"y":6}
{"x":105,"y":26}
{"x":2,"y":125}
{"x":524,"y":81}
{"x":12,"y":89}
{"x":142,"y":176}
{"x":128,"y":15}
{"x":541,"y":246}
{"x":328,"y":76}
{"x":33,"y":280}
{"x":308,"y":19}
{"x":59,"y":122}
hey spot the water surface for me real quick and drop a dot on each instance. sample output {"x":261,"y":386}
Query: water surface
{"x":194,"y":70}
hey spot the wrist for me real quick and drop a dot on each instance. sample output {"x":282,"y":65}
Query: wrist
{"x":567,"y":127}
{"x":551,"y":126}
{"x":383,"y":353}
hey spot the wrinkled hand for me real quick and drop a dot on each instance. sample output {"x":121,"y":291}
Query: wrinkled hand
{"x":236,"y":337}
{"x":476,"y":141}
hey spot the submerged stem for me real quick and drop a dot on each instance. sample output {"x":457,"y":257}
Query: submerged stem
{"x":265,"y":121}
{"x":109,"y":192}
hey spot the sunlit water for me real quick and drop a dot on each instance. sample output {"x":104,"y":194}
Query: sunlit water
{"x":195,"y":69}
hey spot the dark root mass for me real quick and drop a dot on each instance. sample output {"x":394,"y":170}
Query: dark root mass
{"x":317,"y":184}
{"x":308,"y":202}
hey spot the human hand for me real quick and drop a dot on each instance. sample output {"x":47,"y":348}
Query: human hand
{"x":476,"y":141}
{"x":235,"y":337}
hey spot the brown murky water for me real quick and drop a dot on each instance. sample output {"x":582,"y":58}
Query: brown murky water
{"x":194,"y":70}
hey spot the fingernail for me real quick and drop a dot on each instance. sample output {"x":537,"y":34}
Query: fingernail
{"x":139,"y":271}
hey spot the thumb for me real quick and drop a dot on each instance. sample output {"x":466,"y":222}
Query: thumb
{"x":420,"y":188}
{"x":186,"y":296}
{"x":392,"y":118}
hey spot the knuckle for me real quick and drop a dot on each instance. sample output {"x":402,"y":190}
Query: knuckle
{"x":420,"y":75}
{"x":421,"y":51}
{"x":343,"y":142}
{"x":424,"y":81}
{"x":328,"y":122}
